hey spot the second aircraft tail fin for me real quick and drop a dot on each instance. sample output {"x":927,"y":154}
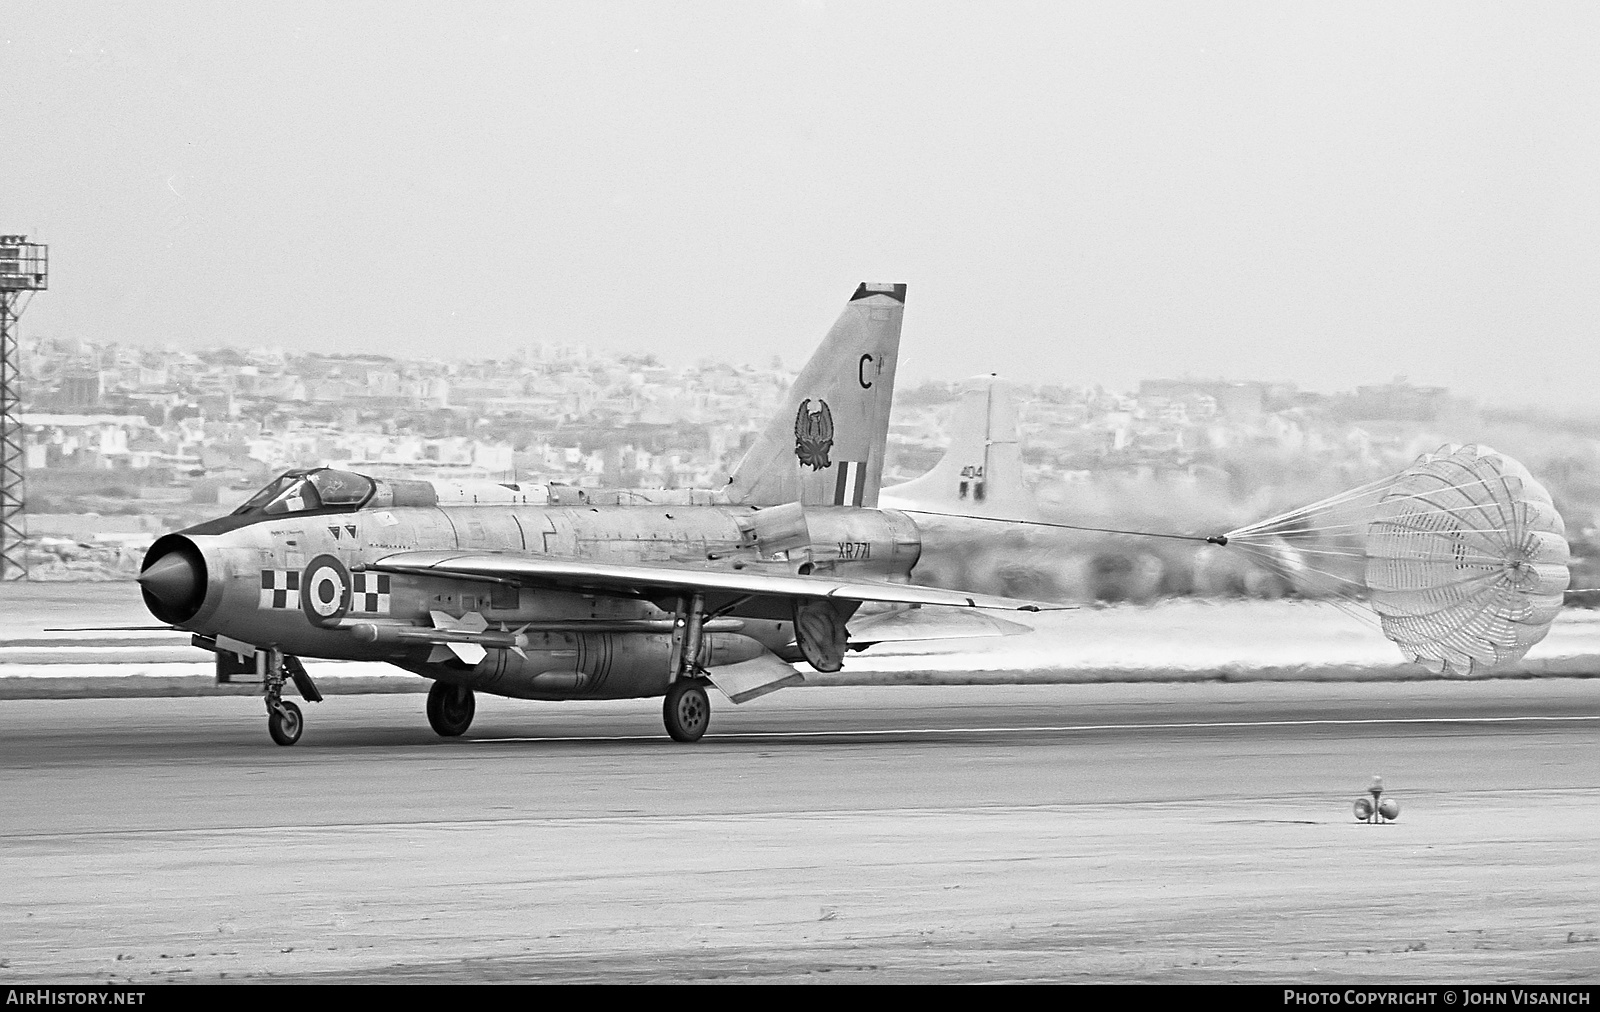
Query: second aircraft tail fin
{"x":980,"y":474}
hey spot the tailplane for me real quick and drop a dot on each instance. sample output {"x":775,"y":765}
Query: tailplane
{"x":980,"y":475}
{"x":825,"y":446}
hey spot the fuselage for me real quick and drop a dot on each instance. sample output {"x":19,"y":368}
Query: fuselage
{"x":298,"y":581}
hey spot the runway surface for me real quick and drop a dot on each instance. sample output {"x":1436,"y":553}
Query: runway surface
{"x":1179,"y":832}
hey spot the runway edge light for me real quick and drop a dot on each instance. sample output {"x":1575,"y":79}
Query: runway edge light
{"x":1377,"y":808}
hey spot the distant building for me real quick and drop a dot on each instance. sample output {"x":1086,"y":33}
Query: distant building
{"x":80,"y":389}
{"x":1234,"y":400}
{"x":1398,"y":401}
{"x":99,"y":441}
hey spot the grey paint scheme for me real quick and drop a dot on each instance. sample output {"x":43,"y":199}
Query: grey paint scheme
{"x":556,"y":664}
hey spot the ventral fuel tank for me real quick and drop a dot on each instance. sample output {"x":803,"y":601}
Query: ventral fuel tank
{"x":589,"y":665}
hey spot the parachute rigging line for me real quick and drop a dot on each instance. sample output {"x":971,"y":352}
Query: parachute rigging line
{"x":1286,"y":522}
{"x":1340,"y":597}
{"x":1216,"y":539}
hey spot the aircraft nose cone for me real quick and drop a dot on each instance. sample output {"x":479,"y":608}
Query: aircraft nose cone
{"x":172,"y":579}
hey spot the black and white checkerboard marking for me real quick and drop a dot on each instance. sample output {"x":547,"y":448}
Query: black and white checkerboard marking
{"x":280,"y":589}
{"x":369,"y":593}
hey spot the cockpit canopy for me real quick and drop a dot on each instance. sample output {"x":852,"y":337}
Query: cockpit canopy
{"x":302,"y":490}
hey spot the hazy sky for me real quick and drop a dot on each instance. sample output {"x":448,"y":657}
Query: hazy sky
{"x":1329,"y":194}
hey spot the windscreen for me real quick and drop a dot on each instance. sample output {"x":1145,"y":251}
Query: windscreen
{"x":300,"y":491}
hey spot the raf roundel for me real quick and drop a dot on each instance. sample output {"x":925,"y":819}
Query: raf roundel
{"x":325,"y":590}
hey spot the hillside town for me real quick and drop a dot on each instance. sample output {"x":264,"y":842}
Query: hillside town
{"x":570,"y":414}
{"x":124,"y":441}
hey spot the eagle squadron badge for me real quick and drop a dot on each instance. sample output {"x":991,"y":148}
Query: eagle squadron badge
{"x":813,"y":434}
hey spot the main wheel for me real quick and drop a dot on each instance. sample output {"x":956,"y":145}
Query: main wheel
{"x":450,"y":709}
{"x":285,"y":724}
{"x":686,"y":710}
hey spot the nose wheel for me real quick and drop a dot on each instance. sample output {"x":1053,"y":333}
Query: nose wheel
{"x":284,"y":723}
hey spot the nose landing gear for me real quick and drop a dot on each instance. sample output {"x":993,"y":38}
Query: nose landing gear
{"x":284,"y":721}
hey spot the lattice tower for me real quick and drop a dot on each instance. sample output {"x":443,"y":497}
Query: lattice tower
{"x":24,"y":267}
{"x":12,"y":564}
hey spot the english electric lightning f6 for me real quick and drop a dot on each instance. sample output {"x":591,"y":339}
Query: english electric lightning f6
{"x":534,"y":593}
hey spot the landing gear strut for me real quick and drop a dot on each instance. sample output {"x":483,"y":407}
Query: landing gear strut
{"x":284,"y":721}
{"x":450,"y":709}
{"x":687,"y":709}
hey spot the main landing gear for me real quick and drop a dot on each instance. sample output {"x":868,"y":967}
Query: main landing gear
{"x":284,"y":721}
{"x":450,"y":709}
{"x":687,"y":709}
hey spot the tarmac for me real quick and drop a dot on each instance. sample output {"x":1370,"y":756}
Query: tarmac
{"x":1125,"y":794}
{"x":1119,"y":832}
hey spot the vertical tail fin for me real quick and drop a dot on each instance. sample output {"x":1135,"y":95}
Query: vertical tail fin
{"x":980,"y":474}
{"x":826,"y":444}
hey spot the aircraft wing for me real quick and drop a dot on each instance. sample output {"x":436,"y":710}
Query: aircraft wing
{"x":645,"y":580}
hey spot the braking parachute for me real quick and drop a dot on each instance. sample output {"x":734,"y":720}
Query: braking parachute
{"x":1462,"y":555}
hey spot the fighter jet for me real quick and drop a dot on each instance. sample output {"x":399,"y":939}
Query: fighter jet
{"x":491,"y":587}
